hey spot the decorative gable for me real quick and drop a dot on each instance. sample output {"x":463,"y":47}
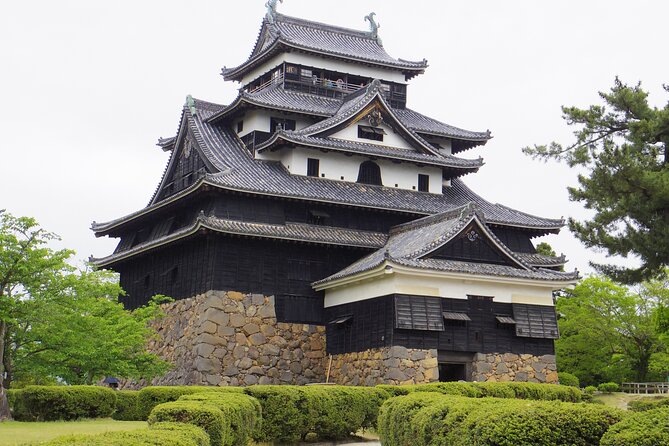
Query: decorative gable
{"x":186,"y":167}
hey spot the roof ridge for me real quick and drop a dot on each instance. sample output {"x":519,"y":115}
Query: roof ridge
{"x":459,"y":212}
{"x":324,"y":26}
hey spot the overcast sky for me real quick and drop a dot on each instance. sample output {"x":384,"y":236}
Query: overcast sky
{"x":88,"y":87}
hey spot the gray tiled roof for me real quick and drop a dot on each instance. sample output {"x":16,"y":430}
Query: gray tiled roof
{"x":275,"y":97}
{"x":290,"y":231}
{"x":409,"y":243}
{"x":374,"y":150}
{"x":320,"y":38}
{"x":238,"y":171}
{"x":543,"y":260}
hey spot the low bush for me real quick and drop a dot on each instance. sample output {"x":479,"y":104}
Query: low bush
{"x":205,"y":416}
{"x":51,"y":403}
{"x":242,"y":411}
{"x":608,"y":387}
{"x":127,"y":408}
{"x":529,"y":391}
{"x":150,"y":397}
{"x":590,"y":389}
{"x":12,"y":397}
{"x":329,"y":412}
{"x":423,"y":419}
{"x":395,"y":390}
{"x":567,"y":379}
{"x":648,"y":403}
{"x":160,"y":434}
{"x":649,"y":428}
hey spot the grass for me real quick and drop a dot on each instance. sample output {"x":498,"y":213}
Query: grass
{"x":22,"y":433}
{"x":619,"y":399}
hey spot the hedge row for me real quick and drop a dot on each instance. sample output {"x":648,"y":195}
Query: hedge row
{"x":51,"y":403}
{"x":329,"y":412}
{"x":529,"y":391}
{"x":648,"y":428}
{"x":422,"y":419}
{"x":173,"y":434}
{"x":648,"y":403}
{"x":127,"y":407}
{"x":150,"y":397}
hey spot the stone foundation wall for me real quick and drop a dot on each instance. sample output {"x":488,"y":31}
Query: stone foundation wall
{"x":392,"y":365}
{"x":502,"y":367}
{"x":232,"y":339}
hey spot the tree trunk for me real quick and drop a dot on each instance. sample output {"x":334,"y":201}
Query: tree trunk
{"x":5,"y":414}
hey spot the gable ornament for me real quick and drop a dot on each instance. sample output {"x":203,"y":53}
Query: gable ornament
{"x":374,"y":27}
{"x":375,"y":118}
{"x":271,"y":10}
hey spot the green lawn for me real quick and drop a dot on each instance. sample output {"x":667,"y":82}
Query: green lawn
{"x":20,"y":433}
{"x":619,"y":399}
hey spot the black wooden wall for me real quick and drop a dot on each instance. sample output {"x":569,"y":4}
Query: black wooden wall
{"x":373,"y":325}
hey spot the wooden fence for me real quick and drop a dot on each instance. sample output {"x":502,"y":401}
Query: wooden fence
{"x":646,"y":388}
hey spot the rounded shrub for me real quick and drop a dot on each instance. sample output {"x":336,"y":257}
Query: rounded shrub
{"x":242,"y":411}
{"x":285,"y":410}
{"x":127,"y":408}
{"x":202,"y":415}
{"x":649,"y":428}
{"x":568,"y":379}
{"x":52,"y":403}
{"x":150,"y":397}
{"x":608,"y":387}
{"x":648,"y":403}
{"x":160,"y":434}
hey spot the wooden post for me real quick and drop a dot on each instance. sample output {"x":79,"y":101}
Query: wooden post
{"x":327,"y":375}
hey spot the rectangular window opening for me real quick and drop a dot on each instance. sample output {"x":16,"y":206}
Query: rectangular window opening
{"x":423,"y":183}
{"x":372,"y":133}
{"x":313,"y":167}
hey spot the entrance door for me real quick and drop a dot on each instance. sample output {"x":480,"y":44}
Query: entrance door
{"x":452,"y":372}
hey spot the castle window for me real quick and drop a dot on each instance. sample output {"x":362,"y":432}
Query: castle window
{"x":317,"y":217}
{"x":240,"y":126}
{"x":281,"y":124}
{"x":423,"y":183}
{"x":373,"y":133}
{"x":313,"y":167}
{"x":370,"y":173}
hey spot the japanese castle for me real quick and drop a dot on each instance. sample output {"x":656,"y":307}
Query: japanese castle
{"x":320,"y":191}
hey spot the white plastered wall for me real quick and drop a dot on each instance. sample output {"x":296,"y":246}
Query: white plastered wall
{"x":454,"y":288}
{"x":260,"y":120}
{"x":334,"y":166}
{"x":390,"y":139}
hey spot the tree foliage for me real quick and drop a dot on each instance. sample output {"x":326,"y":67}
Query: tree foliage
{"x":60,"y":323}
{"x":612,"y":333}
{"x":623,"y":146}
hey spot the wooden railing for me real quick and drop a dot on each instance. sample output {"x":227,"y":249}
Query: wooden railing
{"x":646,"y":388}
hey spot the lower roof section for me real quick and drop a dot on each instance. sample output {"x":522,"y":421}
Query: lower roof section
{"x":297,"y":232}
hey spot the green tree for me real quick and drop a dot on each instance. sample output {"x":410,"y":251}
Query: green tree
{"x":56,"y":322}
{"x":611,"y":333}
{"x":623,"y":146}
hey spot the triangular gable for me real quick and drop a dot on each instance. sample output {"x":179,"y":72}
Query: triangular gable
{"x":372,"y":110}
{"x":475,"y":243}
{"x":186,"y":165}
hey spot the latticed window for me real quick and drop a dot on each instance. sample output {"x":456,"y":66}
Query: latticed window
{"x":423,"y":183}
{"x":313,"y":167}
{"x":370,"y":173}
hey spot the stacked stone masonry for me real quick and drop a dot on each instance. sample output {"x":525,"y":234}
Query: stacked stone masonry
{"x":232,"y":339}
{"x":226,"y":338}
{"x":502,"y":367}
{"x":393,"y":365}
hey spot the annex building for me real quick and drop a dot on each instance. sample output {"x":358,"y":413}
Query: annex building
{"x":318,"y":228}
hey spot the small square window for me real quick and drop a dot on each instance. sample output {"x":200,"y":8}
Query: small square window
{"x":423,"y":183}
{"x":313,"y":167}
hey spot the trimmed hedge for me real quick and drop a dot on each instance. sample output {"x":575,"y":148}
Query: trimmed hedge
{"x":150,"y":397}
{"x":609,"y":387}
{"x":568,"y":379}
{"x":648,"y":403}
{"x":208,"y":417}
{"x":127,"y":408}
{"x":160,"y":434}
{"x":529,"y":391}
{"x":422,"y":419}
{"x":52,"y":403}
{"x":13,"y":396}
{"x":330,"y":412}
{"x":242,"y":412}
{"x":649,"y":428}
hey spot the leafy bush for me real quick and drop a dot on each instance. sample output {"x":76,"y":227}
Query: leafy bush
{"x":243,"y":412}
{"x":51,"y":403}
{"x":127,"y":408}
{"x":206,"y":416}
{"x":649,"y":428}
{"x":608,"y":387}
{"x":648,"y":403}
{"x":567,"y":379}
{"x":529,"y":391}
{"x":422,"y":419}
{"x":285,"y":410}
{"x":590,"y":389}
{"x":172,"y":434}
{"x":150,"y":397}
{"x":395,"y":390}
{"x":13,"y":396}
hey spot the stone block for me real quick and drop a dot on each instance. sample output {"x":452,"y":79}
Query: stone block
{"x":204,"y":350}
{"x":235,"y":295}
{"x":250,"y":329}
{"x":286,"y":376}
{"x":257,"y":299}
{"x":226,"y":331}
{"x":271,"y":349}
{"x":230,"y":370}
{"x":267,"y":330}
{"x":264,"y":380}
{"x":250,"y":380}
{"x":206,"y":365}
{"x":399,"y":352}
{"x":239,"y":352}
{"x":417,"y":355}
{"x":483,"y":367}
{"x":245,"y":363}
{"x":266,"y":311}
{"x":217,"y":316}
{"x":257,"y":339}
{"x":521,"y":377}
{"x":213,"y":380}
{"x":206,"y":338}
{"x":208,"y":327}
{"x":237,"y":320}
